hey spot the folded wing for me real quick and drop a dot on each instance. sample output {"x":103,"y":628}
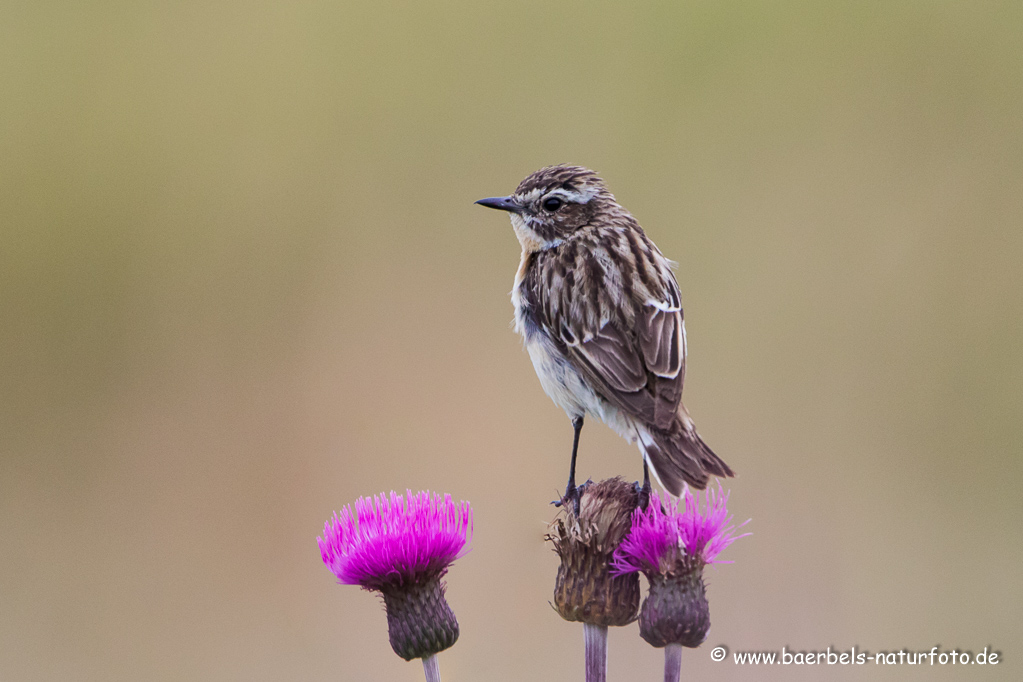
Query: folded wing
{"x":639,"y":370}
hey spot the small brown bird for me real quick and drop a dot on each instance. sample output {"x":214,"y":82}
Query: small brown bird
{"x":601,"y":315}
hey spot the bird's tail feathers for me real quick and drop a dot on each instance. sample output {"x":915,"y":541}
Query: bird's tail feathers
{"x":678,"y":455}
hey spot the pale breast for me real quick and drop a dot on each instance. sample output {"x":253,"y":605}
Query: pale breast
{"x":559,"y":379}
{"x":558,"y":376}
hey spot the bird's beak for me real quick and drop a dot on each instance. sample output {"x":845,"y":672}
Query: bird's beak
{"x":501,"y":204}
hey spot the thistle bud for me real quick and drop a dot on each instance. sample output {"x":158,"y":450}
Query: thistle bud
{"x":675,"y":610}
{"x":419,"y":621}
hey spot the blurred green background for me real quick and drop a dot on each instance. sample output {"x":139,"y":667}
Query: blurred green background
{"x":242,"y":282}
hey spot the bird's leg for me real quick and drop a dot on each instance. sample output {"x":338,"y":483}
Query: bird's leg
{"x":571,"y":491}
{"x":644,"y":492}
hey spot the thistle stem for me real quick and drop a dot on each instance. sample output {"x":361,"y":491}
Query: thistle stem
{"x":595,"y":638}
{"x":672,"y":662}
{"x":432,"y":668}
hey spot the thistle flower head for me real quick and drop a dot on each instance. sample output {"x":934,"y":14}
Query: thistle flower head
{"x":671,"y":546}
{"x":666,"y":539}
{"x":402,"y":547}
{"x":585,"y":589}
{"x":392,"y":541}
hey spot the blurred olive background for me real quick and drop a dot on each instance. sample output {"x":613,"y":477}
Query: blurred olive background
{"x":242,"y":282}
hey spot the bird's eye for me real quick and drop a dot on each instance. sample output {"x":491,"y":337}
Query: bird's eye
{"x":552,"y":204}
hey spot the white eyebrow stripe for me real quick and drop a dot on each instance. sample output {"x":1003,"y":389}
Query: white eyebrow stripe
{"x":573,"y":196}
{"x":530,"y":196}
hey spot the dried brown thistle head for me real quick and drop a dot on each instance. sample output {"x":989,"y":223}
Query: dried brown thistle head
{"x":585,"y":590}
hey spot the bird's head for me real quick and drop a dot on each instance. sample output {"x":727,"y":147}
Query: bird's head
{"x":553,"y":203}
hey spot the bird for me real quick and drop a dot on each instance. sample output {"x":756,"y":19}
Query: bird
{"x":600,"y":314}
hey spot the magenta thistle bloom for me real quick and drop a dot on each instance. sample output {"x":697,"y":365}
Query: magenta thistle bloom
{"x":671,"y":546}
{"x":662,"y":535}
{"x":391,"y":542}
{"x":402,"y":547}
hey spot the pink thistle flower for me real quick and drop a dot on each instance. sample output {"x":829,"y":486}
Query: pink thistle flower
{"x":662,"y":536}
{"x":391,"y":542}
{"x":402,"y":547}
{"x":671,"y":545}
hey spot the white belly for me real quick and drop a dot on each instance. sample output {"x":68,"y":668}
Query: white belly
{"x":569,"y":391}
{"x":559,"y":379}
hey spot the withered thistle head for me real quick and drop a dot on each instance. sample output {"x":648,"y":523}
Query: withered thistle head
{"x":586,"y":591}
{"x":671,"y":547}
{"x":402,"y":547}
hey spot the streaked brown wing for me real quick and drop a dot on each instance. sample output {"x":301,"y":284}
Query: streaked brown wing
{"x":661,"y":330}
{"x":613,"y":367}
{"x":619,"y":366}
{"x":638,"y":367}
{"x":662,"y":340}
{"x":640,"y":371}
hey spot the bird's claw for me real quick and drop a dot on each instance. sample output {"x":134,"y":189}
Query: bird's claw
{"x":643,"y":491}
{"x":573,"y":494}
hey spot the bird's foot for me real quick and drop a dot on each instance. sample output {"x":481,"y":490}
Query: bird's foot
{"x":644,"y":494}
{"x":573,"y":494}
